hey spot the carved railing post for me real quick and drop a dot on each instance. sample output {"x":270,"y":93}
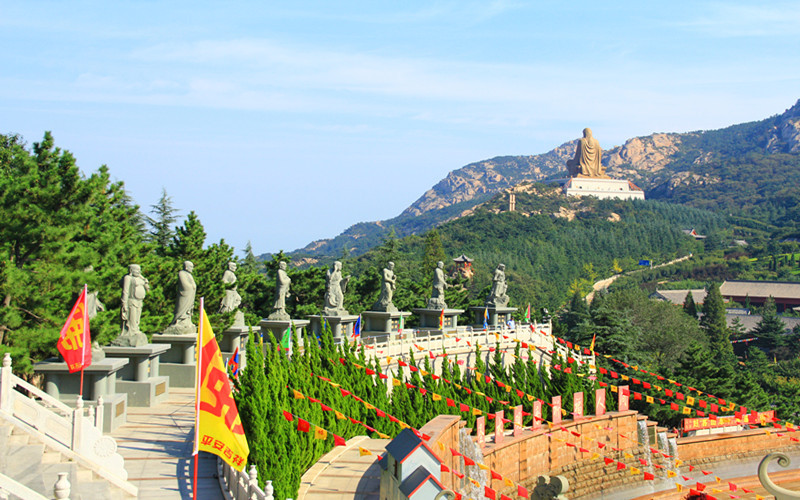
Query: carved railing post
{"x":98,"y":414}
{"x":5,"y":383}
{"x":61,"y":489}
{"x":268,"y":490}
{"x":77,"y":423}
{"x":779,"y":492}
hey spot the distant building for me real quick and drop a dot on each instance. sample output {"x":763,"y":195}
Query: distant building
{"x":786,"y":294}
{"x":749,"y":321}
{"x":464,"y":266}
{"x":678,"y":297}
{"x":693,"y":234}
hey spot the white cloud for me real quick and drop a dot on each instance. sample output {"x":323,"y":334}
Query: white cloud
{"x":757,"y":20}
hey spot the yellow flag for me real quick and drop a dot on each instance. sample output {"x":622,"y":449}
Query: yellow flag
{"x":475,"y":483}
{"x":423,"y":373}
{"x":396,"y":382}
{"x":671,"y":473}
{"x":320,"y":433}
{"x":530,"y":397}
{"x":363,"y":451}
{"x":563,"y":412}
{"x":508,"y":482}
{"x":483,"y":466}
{"x":678,"y":462}
{"x":624,"y":377}
{"x":627,"y":455}
{"x":679,"y":487}
{"x":457,"y":386}
{"x":476,"y":411}
{"x":339,"y":415}
{"x":613,"y":388}
{"x":298,"y":394}
{"x":508,"y":388}
{"x":686,"y":410}
{"x":649,"y":399}
{"x":690,"y":400}
{"x":595,"y":456}
{"x":441,"y":446}
{"x":719,"y":479}
{"x":479,"y":374}
{"x":218,"y":427}
{"x":635,"y":471}
{"x":436,"y":397}
{"x":383,"y":436}
{"x":388,"y":360}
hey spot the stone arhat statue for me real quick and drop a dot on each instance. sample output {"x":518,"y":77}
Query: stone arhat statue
{"x":334,"y":292}
{"x":388,"y":285}
{"x":232,"y":299}
{"x":184,"y":303}
{"x":282,"y":284}
{"x":587,"y":158}
{"x":498,"y":297}
{"x":439,"y":284}
{"x":134,"y":289}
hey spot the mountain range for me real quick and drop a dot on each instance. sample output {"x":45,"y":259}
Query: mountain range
{"x":670,"y":166}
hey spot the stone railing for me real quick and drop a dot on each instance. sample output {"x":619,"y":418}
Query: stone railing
{"x":61,"y":489}
{"x":237,"y":485}
{"x":397,"y":345}
{"x":76,"y":432}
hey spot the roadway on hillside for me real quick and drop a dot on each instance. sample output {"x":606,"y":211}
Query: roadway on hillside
{"x":605,"y":283}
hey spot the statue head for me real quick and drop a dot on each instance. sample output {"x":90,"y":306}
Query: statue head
{"x":188,"y":266}
{"x":501,"y":267}
{"x":337,"y":266}
{"x":390,"y":266}
{"x":135,"y":270}
{"x":440,"y":264}
{"x":282,"y":266}
{"x":587,"y":132}
{"x":232,"y":266}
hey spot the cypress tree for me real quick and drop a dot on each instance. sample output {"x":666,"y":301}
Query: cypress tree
{"x":689,"y":306}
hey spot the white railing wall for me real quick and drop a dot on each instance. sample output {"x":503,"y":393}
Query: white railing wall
{"x":237,"y":485}
{"x":77,"y":430}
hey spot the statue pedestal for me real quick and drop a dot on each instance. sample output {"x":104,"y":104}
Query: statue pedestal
{"x":341,"y":326}
{"x":178,"y":362}
{"x":498,"y":316}
{"x":429,"y":319}
{"x":603,"y":188}
{"x":382,"y":323}
{"x":100,"y":379}
{"x":140,"y":378}
{"x":278,"y":327}
{"x":233,"y":338}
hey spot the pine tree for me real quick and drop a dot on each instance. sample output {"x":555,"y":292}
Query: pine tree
{"x":715,"y":326}
{"x":689,"y":306}
{"x":162,"y":224}
{"x":433,"y":253}
{"x":771,"y":328}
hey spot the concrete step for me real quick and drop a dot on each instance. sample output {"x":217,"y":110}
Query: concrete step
{"x":23,"y":465}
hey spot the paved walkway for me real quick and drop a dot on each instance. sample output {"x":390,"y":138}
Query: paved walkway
{"x":343,"y":474}
{"x":157,"y":446}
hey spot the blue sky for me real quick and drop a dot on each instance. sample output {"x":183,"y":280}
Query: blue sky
{"x":281,"y":124}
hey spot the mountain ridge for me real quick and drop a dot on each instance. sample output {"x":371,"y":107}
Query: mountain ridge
{"x":658,"y":163}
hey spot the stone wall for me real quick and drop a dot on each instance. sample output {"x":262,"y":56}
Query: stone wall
{"x":539,"y":452}
{"x":708,"y":451}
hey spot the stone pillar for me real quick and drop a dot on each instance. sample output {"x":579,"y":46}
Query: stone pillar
{"x":577,"y":406}
{"x":480,"y":425}
{"x":537,"y":414}
{"x":600,"y":402}
{"x":498,"y":427}
{"x":624,"y":396}
{"x":556,"y":409}
{"x":517,"y":420}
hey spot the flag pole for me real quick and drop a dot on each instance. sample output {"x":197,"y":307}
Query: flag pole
{"x":197,"y":382}
{"x":83,"y":334}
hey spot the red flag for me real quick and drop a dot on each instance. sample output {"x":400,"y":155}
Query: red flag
{"x":75,"y":343}
{"x":522,"y":492}
{"x":468,"y":461}
{"x":338,"y":440}
{"x":490,"y":493}
{"x":648,"y":476}
{"x":303,"y":425}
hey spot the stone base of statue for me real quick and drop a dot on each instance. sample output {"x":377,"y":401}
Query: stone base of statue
{"x":178,"y":362}
{"x":140,"y":378}
{"x":238,"y":320}
{"x":234,"y":338}
{"x":100,"y":379}
{"x":379,"y":323}
{"x":181,"y":328}
{"x":280,"y":327}
{"x":341,"y":326}
{"x":498,"y":316}
{"x":130,"y":339}
{"x":603,"y":188}
{"x":429,"y":319}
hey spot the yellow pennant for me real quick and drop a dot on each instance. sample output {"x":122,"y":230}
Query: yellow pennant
{"x":686,"y":410}
{"x":627,"y":455}
{"x":479,"y":374}
{"x":678,"y":462}
{"x":508,"y":482}
{"x":530,"y":397}
{"x":457,"y":386}
{"x":635,"y":471}
{"x":679,"y":487}
{"x":624,"y":377}
{"x":363,"y":451}
{"x":613,"y":388}
{"x":649,"y":399}
{"x":298,"y":395}
{"x":476,"y":412}
{"x":388,"y":360}
{"x":475,"y":483}
{"x":320,"y":433}
{"x":396,"y":382}
{"x":595,"y":456}
{"x":483,"y":466}
{"x":671,"y":473}
{"x":383,"y":436}
{"x":403,"y":425}
{"x":441,"y":446}
{"x":690,"y":400}
{"x":436,"y":397}
{"x":339,"y":416}
{"x":424,"y":373}
{"x":368,"y":406}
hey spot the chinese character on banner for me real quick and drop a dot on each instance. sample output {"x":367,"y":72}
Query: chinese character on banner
{"x":75,"y":343}
{"x":217,"y":415}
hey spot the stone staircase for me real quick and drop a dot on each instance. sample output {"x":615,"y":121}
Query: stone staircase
{"x":27,"y":460}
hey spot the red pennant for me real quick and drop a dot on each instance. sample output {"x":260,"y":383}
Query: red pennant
{"x":608,"y":461}
{"x":468,"y":461}
{"x":445,"y":468}
{"x":496,"y":475}
{"x":522,"y":492}
{"x":490,"y":493}
{"x":288,"y":416}
{"x":338,"y":440}
{"x":302,"y":425}
{"x":620,"y":466}
{"x":648,"y":476}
